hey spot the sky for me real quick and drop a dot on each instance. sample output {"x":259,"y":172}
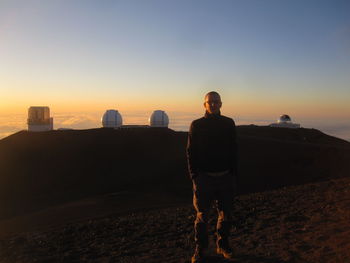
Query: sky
{"x":265,"y":58}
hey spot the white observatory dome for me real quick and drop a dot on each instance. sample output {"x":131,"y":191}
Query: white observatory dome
{"x":159,"y":119}
{"x":112,"y":119}
{"x":284,"y":118}
{"x":285,"y":121}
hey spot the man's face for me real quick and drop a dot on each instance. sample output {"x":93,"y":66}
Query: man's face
{"x":212,"y":103}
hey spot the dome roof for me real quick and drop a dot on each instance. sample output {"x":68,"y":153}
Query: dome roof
{"x":159,"y":119}
{"x":112,"y":119}
{"x":284,"y":118}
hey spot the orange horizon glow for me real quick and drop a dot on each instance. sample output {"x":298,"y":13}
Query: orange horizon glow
{"x":252,"y":108}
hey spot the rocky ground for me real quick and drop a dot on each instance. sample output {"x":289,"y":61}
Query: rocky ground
{"x":307,"y":223}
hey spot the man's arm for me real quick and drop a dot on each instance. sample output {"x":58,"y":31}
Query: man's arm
{"x":234,"y":151}
{"x":191,"y":152}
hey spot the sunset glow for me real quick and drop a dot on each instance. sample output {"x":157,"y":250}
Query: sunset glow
{"x":265,"y":58}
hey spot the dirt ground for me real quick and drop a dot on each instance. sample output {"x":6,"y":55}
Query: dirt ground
{"x":307,"y":223}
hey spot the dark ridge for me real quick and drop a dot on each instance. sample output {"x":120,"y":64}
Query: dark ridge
{"x":39,"y":170}
{"x":294,"y":135}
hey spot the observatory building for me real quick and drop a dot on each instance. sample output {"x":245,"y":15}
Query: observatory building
{"x":112,"y":119}
{"x":39,"y":119}
{"x":159,"y":119}
{"x":285,"y":122}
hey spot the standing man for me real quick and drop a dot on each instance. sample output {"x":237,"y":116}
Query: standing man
{"x":212,"y":163}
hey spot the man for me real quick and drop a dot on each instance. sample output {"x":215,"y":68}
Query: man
{"x":212,"y":163}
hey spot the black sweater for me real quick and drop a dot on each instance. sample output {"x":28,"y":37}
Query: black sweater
{"x":212,"y":145}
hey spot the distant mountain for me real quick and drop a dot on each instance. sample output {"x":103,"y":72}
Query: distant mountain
{"x":43,"y":169}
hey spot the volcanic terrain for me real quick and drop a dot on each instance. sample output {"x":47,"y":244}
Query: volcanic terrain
{"x":106,"y":195}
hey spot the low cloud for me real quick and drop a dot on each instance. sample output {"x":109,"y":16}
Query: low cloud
{"x":79,"y":121}
{"x":6,"y":130}
{"x":9,"y":128}
{"x":10,"y":125}
{"x":340,"y":130}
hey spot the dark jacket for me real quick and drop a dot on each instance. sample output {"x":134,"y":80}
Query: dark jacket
{"x":212,"y":145}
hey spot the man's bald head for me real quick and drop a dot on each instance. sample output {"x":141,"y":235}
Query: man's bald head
{"x":213,"y":94}
{"x":212,"y":102}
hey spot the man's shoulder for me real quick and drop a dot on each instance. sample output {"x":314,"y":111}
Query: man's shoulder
{"x":227,"y":119}
{"x":197,"y":121}
{"x":203,"y":120}
{"x":196,"y":124}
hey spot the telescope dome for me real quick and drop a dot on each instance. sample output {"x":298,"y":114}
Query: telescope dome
{"x":39,"y":119}
{"x":285,"y":121}
{"x":112,"y":119}
{"x":159,"y":119}
{"x":284,"y":118}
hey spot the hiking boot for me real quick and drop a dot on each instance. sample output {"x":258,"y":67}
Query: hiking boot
{"x":226,"y":252}
{"x":199,"y":255}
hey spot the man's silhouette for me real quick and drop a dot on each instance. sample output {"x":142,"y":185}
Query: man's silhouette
{"x":212,"y":162}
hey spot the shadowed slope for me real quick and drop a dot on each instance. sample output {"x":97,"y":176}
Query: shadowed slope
{"x":307,"y":223}
{"x":39,"y":170}
{"x":46,"y":168}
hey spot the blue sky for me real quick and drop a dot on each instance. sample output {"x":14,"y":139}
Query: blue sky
{"x":266,"y":58}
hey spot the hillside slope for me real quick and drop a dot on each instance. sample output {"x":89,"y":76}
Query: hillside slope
{"x":45,"y":169}
{"x":307,"y":223}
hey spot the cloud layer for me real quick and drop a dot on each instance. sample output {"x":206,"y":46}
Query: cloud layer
{"x":10,"y":124}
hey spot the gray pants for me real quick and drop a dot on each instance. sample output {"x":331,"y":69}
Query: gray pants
{"x":206,"y":190}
